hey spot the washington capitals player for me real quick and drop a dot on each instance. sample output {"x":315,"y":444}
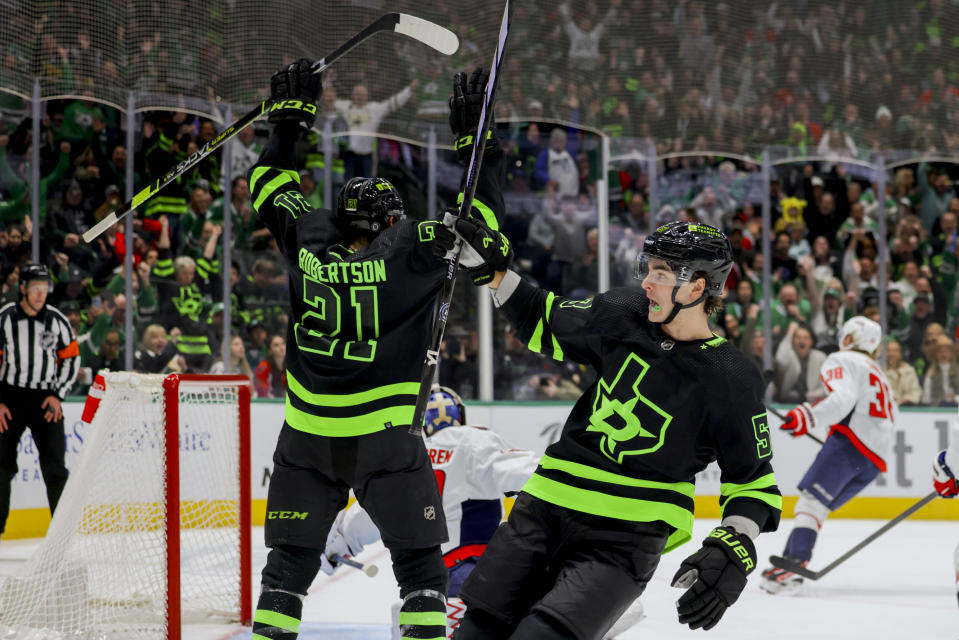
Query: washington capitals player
{"x":616,"y":491}
{"x":856,"y":419}
{"x":363,"y":282}
{"x":474,"y":469}
{"x":944,"y":470}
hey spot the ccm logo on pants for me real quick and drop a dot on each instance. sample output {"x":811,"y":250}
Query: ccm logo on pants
{"x":287,"y":515}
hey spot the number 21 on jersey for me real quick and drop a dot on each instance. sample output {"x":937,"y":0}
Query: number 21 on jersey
{"x":320,"y":329}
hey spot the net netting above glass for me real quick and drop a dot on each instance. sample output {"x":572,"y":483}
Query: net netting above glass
{"x":846,"y":79}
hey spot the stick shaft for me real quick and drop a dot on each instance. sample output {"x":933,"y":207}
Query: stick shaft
{"x":469,"y":191}
{"x":431,"y":34}
{"x":783,"y":418}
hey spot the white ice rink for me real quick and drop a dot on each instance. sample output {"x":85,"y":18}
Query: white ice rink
{"x":898,"y":588}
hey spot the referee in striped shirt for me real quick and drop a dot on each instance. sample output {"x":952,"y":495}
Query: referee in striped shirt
{"x":39,"y":360}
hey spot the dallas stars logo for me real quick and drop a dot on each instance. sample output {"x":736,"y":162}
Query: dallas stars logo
{"x":631,"y":424}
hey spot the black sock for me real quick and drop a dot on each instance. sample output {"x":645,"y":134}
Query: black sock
{"x":277,"y":615}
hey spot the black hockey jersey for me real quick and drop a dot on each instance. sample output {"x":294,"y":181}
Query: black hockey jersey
{"x":360,"y":321}
{"x":659,"y":412}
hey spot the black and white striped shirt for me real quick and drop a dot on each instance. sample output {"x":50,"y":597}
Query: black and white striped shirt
{"x":39,"y":352}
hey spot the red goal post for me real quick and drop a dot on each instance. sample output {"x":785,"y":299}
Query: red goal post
{"x":172,"y":386}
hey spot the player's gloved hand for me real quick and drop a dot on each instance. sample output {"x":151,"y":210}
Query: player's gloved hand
{"x":466,"y":106}
{"x":714,"y":577}
{"x":294,"y":91}
{"x":799,"y":420}
{"x":485,"y":251}
{"x":943,"y":478}
{"x":336,"y":543}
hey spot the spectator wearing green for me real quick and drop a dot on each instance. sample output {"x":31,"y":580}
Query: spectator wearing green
{"x":18,"y":206}
{"x":935,"y":193}
{"x":183,"y":298}
{"x":788,"y":307}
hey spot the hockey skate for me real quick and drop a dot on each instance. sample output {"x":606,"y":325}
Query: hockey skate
{"x":779,"y":581}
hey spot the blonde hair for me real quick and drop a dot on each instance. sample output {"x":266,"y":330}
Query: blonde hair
{"x":149,"y":334}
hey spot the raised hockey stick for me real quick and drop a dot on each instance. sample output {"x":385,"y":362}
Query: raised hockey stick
{"x":369,"y":569}
{"x":798,"y":569}
{"x":472,"y":171}
{"x":783,"y":418}
{"x":433,"y":35}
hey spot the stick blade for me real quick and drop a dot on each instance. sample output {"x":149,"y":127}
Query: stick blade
{"x":94,"y":232}
{"x":795,"y":567}
{"x":440,"y":38}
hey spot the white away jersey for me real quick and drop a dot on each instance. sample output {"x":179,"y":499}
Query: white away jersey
{"x":859,"y":404}
{"x":474,"y":469}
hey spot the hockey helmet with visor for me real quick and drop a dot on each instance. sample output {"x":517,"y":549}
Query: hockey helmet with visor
{"x":687,"y":248}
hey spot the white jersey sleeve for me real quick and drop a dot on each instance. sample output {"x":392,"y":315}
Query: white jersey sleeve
{"x":859,"y":404}
{"x":474,"y":468}
{"x":952,"y":451}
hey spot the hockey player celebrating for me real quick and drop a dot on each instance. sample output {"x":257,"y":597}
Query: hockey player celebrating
{"x":856,"y":420}
{"x":362,"y":286}
{"x":616,"y":490}
{"x":944,"y":469}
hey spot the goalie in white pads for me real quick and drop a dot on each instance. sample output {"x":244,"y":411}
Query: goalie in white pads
{"x":944,"y":470}
{"x":856,"y":420}
{"x":475,"y":468}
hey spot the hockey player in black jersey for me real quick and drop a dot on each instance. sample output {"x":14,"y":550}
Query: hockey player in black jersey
{"x":616,"y":491}
{"x":363,"y":282}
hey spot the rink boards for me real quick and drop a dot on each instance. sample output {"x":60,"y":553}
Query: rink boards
{"x":920,"y":434}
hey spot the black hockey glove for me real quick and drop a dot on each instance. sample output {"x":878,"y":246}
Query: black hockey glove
{"x":485,"y":250}
{"x":714,"y":577}
{"x":466,"y":105}
{"x":294,"y":91}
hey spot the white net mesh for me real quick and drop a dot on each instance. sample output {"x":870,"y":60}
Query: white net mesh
{"x":102,"y":572}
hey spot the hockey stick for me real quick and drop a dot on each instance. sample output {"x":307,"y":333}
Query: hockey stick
{"x":369,"y":569}
{"x":472,"y":171}
{"x":433,"y":35}
{"x":798,"y":569}
{"x":783,"y":418}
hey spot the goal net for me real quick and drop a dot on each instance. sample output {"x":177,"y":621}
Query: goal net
{"x":153,"y":527}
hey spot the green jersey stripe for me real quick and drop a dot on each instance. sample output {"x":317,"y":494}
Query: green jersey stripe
{"x":350,"y":426}
{"x":349,"y":399}
{"x":687,"y":489}
{"x":618,"y":507}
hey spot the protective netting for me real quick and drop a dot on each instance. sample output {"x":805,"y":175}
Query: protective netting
{"x":101,"y":571}
{"x":846,"y":79}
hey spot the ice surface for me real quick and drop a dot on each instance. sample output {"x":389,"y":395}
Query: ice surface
{"x":899,"y":588}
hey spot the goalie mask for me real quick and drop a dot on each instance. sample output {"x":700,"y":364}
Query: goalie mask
{"x":866,"y":335}
{"x":444,"y":409}
{"x":369,"y":205}
{"x":687,"y":248}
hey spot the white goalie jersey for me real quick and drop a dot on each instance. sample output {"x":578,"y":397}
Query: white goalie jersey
{"x":475,"y":468}
{"x":859,"y":405}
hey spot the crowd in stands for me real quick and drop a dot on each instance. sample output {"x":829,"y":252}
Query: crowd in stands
{"x":827,"y":79}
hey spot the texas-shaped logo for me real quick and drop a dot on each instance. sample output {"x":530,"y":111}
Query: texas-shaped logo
{"x":630,"y":423}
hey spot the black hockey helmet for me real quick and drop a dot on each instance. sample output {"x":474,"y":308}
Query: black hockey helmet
{"x":444,"y":409}
{"x":33,"y":271}
{"x":688,"y":248}
{"x":369,"y":205}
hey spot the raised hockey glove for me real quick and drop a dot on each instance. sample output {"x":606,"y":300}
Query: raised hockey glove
{"x":943,"y":478}
{"x":294,"y":91}
{"x":714,"y":577}
{"x":485,"y":251}
{"x":799,"y":420}
{"x":466,"y":106}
